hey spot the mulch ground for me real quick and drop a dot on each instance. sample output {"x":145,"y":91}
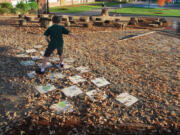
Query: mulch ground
{"x":147,"y":67}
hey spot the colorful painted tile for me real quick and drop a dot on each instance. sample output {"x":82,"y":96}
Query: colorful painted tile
{"x":76,"y":79}
{"x":82,"y":69}
{"x":62,"y":107}
{"x":126,"y":99}
{"x":31,"y":50}
{"x":28,"y":63}
{"x":48,"y":65}
{"x":69,"y":60}
{"x":100,"y":82}
{"x":45,"y":88}
{"x":54,"y":76}
{"x":93,"y":93}
{"x":72,"y":91}
{"x":38,"y":46}
{"x":31,"y":74}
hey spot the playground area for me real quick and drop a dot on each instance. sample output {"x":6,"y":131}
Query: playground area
{"x":120,"y":77}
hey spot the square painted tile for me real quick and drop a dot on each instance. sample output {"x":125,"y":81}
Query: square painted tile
{"x":45,"y":88}
{"x":62,"y":107}
{"x":22,"y":55}
{"x":126,"y":99}
{"x":42,"y":53}
{"x":93,"y":93}
{"x":66,"y":66}
{"x":69,"y":60}
{"x":100,"y":82}
{"x":54,"y":59}
{"x":48,"y":65}
{"x":31,"y":74}
{"x":72,"y":91}
{"x":36,"y":57}
{"x":38,"y":46}
{"x":76,"y":79}
{"x":28,"y":63}
{"x":54,"y":76}
{"x":31,"y":50}
{"x":82,"y":69}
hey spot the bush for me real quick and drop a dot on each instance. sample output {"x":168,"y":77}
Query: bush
{"x":15,"y":10}
{"x":6,"y":5}
{"x":23,"y":7}
{"x":4,"y":10}
{"x":33,"y":6}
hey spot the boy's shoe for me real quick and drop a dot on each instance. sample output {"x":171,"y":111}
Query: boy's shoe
{"x":60,"y":65}
{"x":38,"y":71}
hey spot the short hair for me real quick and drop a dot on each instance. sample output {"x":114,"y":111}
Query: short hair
{"x":56,"y":19}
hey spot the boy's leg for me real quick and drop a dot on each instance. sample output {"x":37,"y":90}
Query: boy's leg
{"x":45,"y":60}
{"x":60,"y":53}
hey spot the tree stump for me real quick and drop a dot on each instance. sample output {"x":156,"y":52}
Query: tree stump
{"x":67,"y":24}
{"x":45,"y":22}
{"x":89,"y":25}
{"x":104,"y":12}
{"x":133,"y":21}
{"x":22,"y":22}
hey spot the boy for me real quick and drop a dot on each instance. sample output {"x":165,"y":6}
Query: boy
{"x":55,"y":33}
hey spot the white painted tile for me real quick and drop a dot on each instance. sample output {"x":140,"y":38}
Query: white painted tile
{"x":76,"y":79}
{"x":69,"y":60}
{"x":126,"y":99}
{"x":22,"y":55}
{"x":54,"y":76}
{"x":66,"y":66}
{"x":42,"y":53}
{"x":48,"y":65}
{"x":100,"y":82}
{"x":72,"y":91}
{"x":82,"y":69}
{"x":38,"y":46}
{"x":45,"y":88}
{"x":31,"y":50}
{"x":54,"y":59}
{"x":62,"y":107}
{"x":28,"y":63}
{"x":36,"y":57}
{"x":31,"y":74}
{"x":93,"y":93}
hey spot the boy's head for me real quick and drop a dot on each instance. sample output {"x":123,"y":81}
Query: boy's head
{"x":56,"y":19}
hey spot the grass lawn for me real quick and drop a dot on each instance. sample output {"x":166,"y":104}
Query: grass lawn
{"x":149,"y":11}
{"x":81,"y":7}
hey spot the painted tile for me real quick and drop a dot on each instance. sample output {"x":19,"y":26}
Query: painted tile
{"x":62,"y":107}
{"x":76,"y":79}
{"x":31,"y":50}
{"x":72,"y":91}
{"x":28,"y":63}
{"x":31,"y":74}
{"x":45,"y":88}
{"x":126,"y":99}
{"x":100,"y":82}
{"x":93,"y":93}
{"x":54,"y":76}
{"x":82,"y":69}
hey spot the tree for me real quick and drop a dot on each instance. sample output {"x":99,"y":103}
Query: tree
{"x":162,"y":2}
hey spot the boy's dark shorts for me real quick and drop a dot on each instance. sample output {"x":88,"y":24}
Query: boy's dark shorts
{"x":49,"y":51}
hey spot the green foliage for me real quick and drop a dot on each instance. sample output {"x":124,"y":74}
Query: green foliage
{"x":4,"y":10}
{"x":23,"y":7}
{"x":6,"y":5}
{"x":33,"y":6}
{"x":15,"y":10}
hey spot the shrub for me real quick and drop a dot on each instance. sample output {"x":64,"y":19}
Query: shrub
{"x":15,"y":10}
{"x":6,"y":5}
{"x":4,"y":10}
{"x":33,"y":6}
{"x":23,"y":7}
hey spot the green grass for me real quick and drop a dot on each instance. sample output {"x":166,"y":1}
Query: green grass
{"x":81,"y":7}
{"x":149,"y":11}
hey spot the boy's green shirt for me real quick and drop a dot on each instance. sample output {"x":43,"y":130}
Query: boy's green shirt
{"x":55,"y":32}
